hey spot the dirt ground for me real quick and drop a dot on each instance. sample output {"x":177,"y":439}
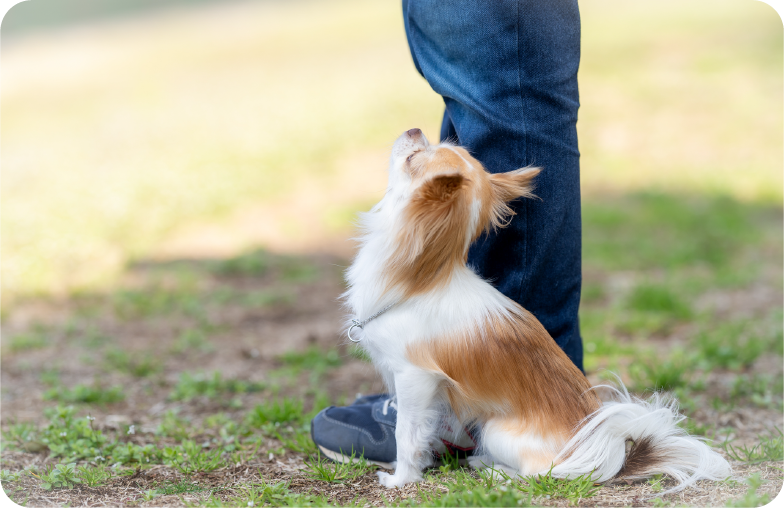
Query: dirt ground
{"x":246,"y":342}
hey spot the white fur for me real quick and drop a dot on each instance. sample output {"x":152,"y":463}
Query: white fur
{"x":599,"y":445}
{"x":464,"y":302}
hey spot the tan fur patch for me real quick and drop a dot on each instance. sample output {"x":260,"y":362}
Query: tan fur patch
{"x":512,"y":369}
{"x":433,"y":237}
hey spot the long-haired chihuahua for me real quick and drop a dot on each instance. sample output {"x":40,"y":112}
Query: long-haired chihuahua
{"x":443,"y":338}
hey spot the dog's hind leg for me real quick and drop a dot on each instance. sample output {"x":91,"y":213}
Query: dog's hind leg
{"x":416,"y":423}
{"x":513,"y":445}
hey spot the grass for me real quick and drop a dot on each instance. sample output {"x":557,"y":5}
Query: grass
{"x":87,"y":394}
{"x":573,"y":490}
{"x":190,"y":386}
{"x":59,"y":476}
{"x":198,"y":460}
{"x":26,"y":341}
{"x":734,"y":345}
{"x":681,"y":208}
{"x":665,"y":231}
{"x":179,"y":487}
{"x":282,"y":410}
{"x":325,"y":470}
{"x":770,"y":448}
{"x":751,"y":498}
{"x":662,"y":374}
{"x":762,"y":390}
{"x":135,"y":364}
{"x":314,"y":360}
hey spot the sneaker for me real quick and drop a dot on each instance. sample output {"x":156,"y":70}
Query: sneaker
{"x":369,"y":399}
{"x":367,"y":429}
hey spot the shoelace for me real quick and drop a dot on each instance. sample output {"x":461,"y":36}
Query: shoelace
{"x":387,"y":403}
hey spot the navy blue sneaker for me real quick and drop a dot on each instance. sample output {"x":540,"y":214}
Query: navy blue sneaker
{"x":367,"y":429}
{"x":369,"y":399}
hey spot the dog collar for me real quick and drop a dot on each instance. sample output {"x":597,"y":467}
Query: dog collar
{"x":361,"y":324}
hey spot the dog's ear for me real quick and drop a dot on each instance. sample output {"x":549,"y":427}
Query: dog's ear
{"x":441,"y":188}
{"x":506,"y":187}
{"x":433,"y":233}
{"x":514,"y":184}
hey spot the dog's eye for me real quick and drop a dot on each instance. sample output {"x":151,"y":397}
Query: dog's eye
{"x":408,"y":159}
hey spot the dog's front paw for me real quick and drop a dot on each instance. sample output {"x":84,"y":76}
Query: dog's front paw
{"x":396,"y":480}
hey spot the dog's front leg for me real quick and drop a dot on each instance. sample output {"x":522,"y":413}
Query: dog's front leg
{"x":416,"y":421}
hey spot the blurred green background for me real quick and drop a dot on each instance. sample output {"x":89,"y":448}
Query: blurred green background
{"x":137,"y":130}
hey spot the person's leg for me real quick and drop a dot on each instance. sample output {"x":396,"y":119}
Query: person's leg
{"x":507,"y":71}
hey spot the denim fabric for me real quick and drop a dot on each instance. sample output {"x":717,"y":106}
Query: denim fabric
{"x":507,"y":71}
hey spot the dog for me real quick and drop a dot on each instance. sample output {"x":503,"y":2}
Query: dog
{"x":444,"y":339}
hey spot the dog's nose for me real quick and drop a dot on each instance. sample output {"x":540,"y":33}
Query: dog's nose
{"x":413,"y":133}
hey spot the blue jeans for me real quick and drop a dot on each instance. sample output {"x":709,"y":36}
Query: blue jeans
{"x":507,"y":70}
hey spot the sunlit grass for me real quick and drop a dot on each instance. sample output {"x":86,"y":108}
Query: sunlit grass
{"x":112,"y":142}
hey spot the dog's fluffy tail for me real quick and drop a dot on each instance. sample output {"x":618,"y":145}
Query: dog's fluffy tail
{"x":658,"y":445}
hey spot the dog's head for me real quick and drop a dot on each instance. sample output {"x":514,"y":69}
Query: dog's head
{"x":443,"y":199}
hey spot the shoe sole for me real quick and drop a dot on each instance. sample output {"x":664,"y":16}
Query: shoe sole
{"x":343,"y":459}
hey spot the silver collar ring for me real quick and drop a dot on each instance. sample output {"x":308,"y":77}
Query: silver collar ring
{"x":361,"y":324}
{"x":355,"y":325}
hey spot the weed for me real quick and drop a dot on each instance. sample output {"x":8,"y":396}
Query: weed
{"x":50,"y":377}
{"x":297,"y":439}
{"x":191,"y":386}
{"x":258,"y":494}
{"x":450,"y":462}
{"x":652,"y":308}
{"x":174,"y":426}
{"x":158,"y":300}
{"x":592,"y":293}
{"x":192,"y":340}
{"x":474,"y":497}
{"x":254,"y":263}
{"x":724,"y":346}
{"x":673,"y":372}
{"x":198,"y":460}
{"x":698,"y":429}
{"x":284,"y":410}
{"x":656,"y":298}
{"x":547,"y":486}
{"x":94,"y":476}
{"x":259,"y":262}
{"x":770,"y":448}
{"x":22,"y":436}
{"x":70,"y":437}
{"x":94,"y":394}
{"x":59,"y":476}
{"x":751,"y":498}
{"x":298,"y":270}
{"x":268,"y":494}
{"x":763,"y":390}
{"x":313,"y":359}
{"x":183,"y":486}
{"x":128,"y":453}
{"x":323,"y":469}
{"x":149,"y":495}
{"x":8,"y":476}
{"x":647,"y":230}
{"x":656,"y":483}
{"x":36,"y":339}
{"x":138,"y":364}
